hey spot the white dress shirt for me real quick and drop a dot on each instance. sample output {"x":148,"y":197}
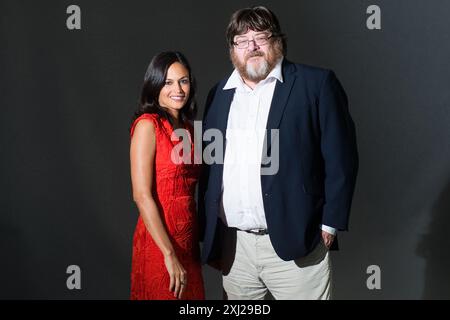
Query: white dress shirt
{"x":242,"y":203}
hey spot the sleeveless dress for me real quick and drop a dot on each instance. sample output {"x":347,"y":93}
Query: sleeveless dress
{"x":173,"y":190}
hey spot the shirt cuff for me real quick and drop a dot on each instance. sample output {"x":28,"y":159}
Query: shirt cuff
{"x":328,"y":229}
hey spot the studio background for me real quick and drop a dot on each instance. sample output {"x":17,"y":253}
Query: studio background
{"x":67,"y":98}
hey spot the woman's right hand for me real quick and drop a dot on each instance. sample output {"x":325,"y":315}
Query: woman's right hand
{"x":178,"y":275}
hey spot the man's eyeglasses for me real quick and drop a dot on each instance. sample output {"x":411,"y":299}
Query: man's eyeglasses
{"x":259,"y":40}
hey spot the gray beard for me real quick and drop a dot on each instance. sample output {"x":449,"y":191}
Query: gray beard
{"x":257,"y":73}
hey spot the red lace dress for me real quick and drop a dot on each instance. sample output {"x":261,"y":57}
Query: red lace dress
{"x":173,"y":191}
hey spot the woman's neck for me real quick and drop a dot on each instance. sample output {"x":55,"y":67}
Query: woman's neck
{"x":177,"y":122}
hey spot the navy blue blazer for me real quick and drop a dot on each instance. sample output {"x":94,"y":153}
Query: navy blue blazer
{"x":318,"y":162}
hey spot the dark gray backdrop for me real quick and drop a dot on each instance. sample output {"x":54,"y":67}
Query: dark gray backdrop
{"x":66,"y":99}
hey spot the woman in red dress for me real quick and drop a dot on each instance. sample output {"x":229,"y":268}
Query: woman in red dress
{"x":166,"y":258}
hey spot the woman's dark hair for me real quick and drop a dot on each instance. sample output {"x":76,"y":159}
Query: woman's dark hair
{"x":257,"y":18}
{"x":154,"y":81}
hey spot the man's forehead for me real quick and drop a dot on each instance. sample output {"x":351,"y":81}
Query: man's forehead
{"x":251,"y":32}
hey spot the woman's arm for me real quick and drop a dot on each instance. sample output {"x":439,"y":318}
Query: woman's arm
{"x":142,"y":157}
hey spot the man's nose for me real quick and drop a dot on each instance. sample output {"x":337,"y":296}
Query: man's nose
{"x":252,"y":46}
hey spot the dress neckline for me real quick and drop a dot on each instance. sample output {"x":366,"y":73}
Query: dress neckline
{"x":169,"y":129}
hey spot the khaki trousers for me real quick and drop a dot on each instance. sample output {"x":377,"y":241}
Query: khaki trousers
{"x":251,"y":268}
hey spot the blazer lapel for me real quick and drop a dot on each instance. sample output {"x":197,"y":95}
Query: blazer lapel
{"x":222,"y":104}
{"x":280,"y":99}
{"x":224,"y":99}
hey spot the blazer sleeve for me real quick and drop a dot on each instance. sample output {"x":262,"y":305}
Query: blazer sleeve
{"x":339,"y":150}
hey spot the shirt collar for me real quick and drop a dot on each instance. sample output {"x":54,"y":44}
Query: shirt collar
{"x":235,"y":80}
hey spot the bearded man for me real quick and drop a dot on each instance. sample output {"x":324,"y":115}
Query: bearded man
{"x":272,"y":208}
